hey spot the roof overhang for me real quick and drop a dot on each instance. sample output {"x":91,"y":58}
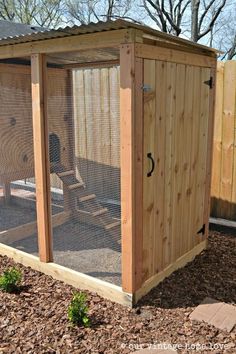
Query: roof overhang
{"x":93,"y":35}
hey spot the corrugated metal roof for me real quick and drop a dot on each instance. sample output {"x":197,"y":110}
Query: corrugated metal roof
{"x":92,"y":28}
{"x":10,"y":29}
{"x":66,"y":31}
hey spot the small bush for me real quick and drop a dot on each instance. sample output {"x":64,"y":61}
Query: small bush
{"x":10,"y":280}
{"x":78,"y":310}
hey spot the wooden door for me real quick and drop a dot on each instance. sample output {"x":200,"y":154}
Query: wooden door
{"x":176,"y":114}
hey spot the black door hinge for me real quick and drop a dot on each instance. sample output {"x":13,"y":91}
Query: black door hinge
{"x":209,"y":82}
{"x":202,"y":230}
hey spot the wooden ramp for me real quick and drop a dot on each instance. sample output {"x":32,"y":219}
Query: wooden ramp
{"x":88,"y":205}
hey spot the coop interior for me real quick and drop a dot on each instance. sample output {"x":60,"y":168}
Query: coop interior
{"x":84,"y":154}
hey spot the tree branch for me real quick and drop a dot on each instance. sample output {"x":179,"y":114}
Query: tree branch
{"x":213,"y":20}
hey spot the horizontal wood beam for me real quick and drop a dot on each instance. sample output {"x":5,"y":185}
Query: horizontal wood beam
{"x":95,"y":64}
{"x":14,"y":68}
{"x":174,"y":43}
{"x":172,"y":55}
{"x":18,"y":175}
{"x":26,"y":230}
{"x":27,"y":202}
{"x":69,"y":276}
{"x":223,"y":222}
{"x":68,"y":44}
{"x":179,"y":263}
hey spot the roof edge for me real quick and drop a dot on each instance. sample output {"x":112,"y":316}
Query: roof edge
{"x":47,"y":34}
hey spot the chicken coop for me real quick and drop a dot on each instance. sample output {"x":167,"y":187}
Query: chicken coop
{"x":105,"y":154}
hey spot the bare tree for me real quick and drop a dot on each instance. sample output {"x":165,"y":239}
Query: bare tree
{"x":223,"y":34}
{"x":45,"y":13}
{"x":86,"y":11}
{"x":82,"y":11}
{"x":224,"y":37}
{"x":168,"y":15}
{"x":204,"y":15}
{"x":231,"y":53}
{"x":172,"y":16}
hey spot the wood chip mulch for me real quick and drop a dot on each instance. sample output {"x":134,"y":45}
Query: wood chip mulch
{"x":35,"y":320}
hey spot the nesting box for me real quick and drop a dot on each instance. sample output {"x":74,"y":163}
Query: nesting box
{"x":123,"y":116}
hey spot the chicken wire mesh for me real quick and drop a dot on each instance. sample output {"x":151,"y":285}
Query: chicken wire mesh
{"x":18,"y":226}
{"x":84,"y":154}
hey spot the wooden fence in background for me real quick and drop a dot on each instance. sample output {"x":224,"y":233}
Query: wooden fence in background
{"x":96,"y":135}
{"x":96,"y":97}
{"x":223,"y":191}
{"x":96,"y":106}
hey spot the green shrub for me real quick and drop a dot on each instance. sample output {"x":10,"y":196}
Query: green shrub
{"x":78,"y":310}
{"x":10,"y":280}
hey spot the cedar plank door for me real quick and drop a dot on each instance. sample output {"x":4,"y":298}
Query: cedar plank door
{"x":176,"y":115}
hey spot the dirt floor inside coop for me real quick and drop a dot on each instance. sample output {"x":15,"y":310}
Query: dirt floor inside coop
{"x":79,"y":246}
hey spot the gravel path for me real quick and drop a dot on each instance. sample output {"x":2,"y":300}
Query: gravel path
{"x":35,"y":321}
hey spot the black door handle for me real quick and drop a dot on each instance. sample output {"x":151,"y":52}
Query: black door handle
{"x":149,"y":155}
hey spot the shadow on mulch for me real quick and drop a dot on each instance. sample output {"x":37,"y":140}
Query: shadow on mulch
{"x":211,"y":274}
{"x":223,"y":229}
{"x":21,"y":289}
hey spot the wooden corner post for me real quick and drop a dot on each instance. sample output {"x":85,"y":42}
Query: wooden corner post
{"x":41,"y":156}
{"x":131,"y":71}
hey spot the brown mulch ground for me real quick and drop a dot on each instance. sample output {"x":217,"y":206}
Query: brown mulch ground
{"x":35,"y":321}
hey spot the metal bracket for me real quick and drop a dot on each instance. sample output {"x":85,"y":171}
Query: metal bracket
{"x":202,"y":230}
{"x":146,"y":88}
{"x":209,"y":82}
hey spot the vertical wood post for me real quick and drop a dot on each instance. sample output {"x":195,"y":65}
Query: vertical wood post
{"x":217,"y":144}
{"x":7,"y":192}
{"x":131,"y":166}
{"x":138,"y":169}
{"x":41,"y":156}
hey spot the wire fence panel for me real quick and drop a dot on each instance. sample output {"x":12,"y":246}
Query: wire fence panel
{"x":18,"y":226}
{"x":84,"y":154}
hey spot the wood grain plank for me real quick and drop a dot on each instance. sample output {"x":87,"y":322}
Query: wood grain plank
{"x":209,"y":161}
{"x":138,"y":160}
{"x":177,"y":170}
{"x":194,"y":158}
{"x":186,"y":164}
{"x":41,"y":154}
{"x":127,"y":83}
{"x":233,"y":112}
{"x":171,"y":141}
{"x":106,"y":127}
{"x":166,"y":54}
{"x":149,"y":182}
{"x":169,"y":154}
{"x":114,"y":99}
{"x":203,"y":151}
{"x":159,"y":238}
{"x":80,"y":122}
{"x":227,"y":141}
{"x":217,"y":147}
{"x":92,"y":41}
